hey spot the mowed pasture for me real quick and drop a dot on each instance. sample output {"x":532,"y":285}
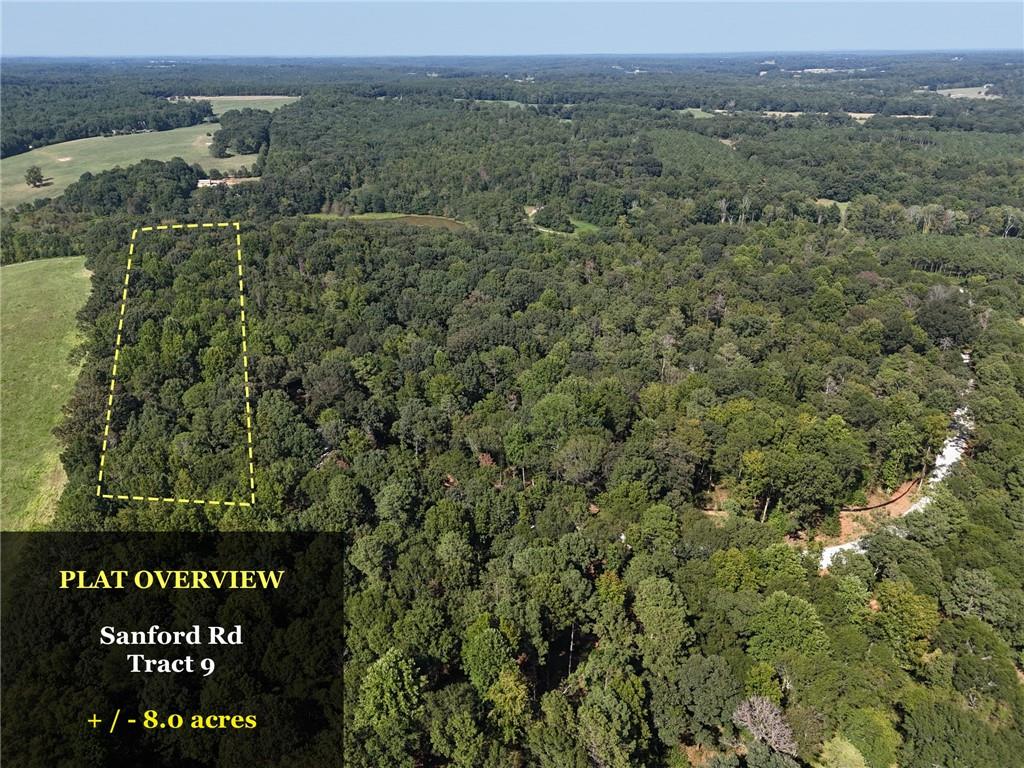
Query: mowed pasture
{"x":408,"y":219}
{"x":579,"y":227}
{"x":38,"y":334}
{"x":972,"y":92}
{"x":64,"y":163}
{"x":222,"y":104}
{"x":696,"y":112}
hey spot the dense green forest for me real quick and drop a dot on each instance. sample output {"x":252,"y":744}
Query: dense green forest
{"x":51,"y":101}
{"x":522,"y":423}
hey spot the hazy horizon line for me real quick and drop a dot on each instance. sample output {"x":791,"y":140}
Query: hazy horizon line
{"x":595,"y":54}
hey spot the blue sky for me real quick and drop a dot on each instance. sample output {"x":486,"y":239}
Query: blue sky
{"x":498,"y":28}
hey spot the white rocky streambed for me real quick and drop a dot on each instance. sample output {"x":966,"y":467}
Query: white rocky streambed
{"x":952,"y":451}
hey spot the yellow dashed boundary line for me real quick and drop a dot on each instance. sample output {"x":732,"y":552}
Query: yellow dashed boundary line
{"x":245,"y":371}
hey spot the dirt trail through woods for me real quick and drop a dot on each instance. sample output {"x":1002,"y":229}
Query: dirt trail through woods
{"x":953,"y":449}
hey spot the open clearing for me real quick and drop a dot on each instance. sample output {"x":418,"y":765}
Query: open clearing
{"x":410,"y":219}
{"x":860,"y":117}
{"x":842,"y":205}
{"x":222,"y":104}
{"x":38,"y":304}
{"x":973,"y":92}
{"x":63,"y":164}
{"x":579,"y":227}
{"x":696,"y":112}
{"x":511,"y":103}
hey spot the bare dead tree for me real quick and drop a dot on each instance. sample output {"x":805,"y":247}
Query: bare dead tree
{"x":984,"y":317}
{"x":668,"y":342}
{"x":716,"y":307}
{"x":915,"y":215}
{"x":765,"y":721}
{"x":948,"y":221}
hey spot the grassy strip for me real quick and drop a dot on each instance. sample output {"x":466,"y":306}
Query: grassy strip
{"x":411,"y":219}
{"x":38,"y":304}
{"x":222,"y":104}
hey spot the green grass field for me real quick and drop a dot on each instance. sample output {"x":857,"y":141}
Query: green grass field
{"x":410,"y":219}
{"x":222,"y":104}
{"x":38,"y":304}
{"x":64,"y":163}
{"x":974,"y":92}
{"x":696,"y":112}
{"x":582,"y":227}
